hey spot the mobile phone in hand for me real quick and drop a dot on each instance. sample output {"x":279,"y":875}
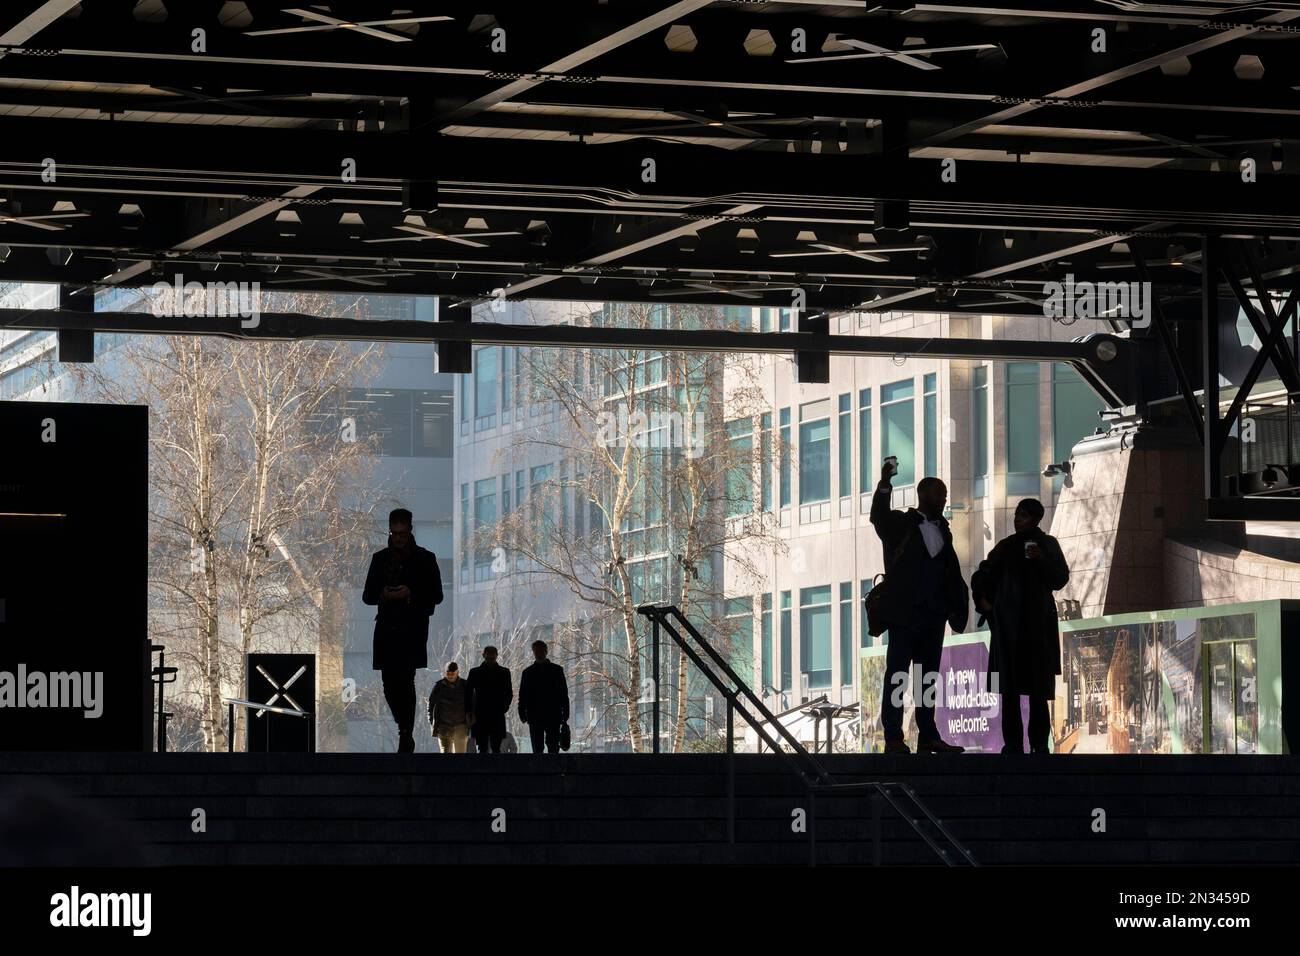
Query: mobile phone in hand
{"x":891,"y":465}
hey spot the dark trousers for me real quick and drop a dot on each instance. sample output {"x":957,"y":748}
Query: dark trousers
{"x":920,"y":642}
{"x":547,"y":733}
{"x":1013,"y":728}
{"x":488,"y":733}
{"x":399,"y":691}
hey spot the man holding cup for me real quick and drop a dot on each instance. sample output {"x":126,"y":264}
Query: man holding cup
{"x":1013,"y":589}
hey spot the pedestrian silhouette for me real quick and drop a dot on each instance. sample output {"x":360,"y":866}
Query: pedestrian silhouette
{"x":1013,"y":589}
{"x":447,"y":717}
{"x":543,"y":700}
{"x":924,"y":589}
{"x":405,"y":585}
{"x":487,"y":701}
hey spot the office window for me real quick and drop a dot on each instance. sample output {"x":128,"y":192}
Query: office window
{"x":564,"y":497}
{"x":1024,"y":429}
{"x":485,"y":387}
{"x":407,"y":422}
{"x":740,"y":466}
{"x":898,"y":428}
{"x":465,"y":531}
{"x":845,"y":421}
{"x":787,"y":642}
{"x":785,"y":457}
{"x":534,"y":384}
{"x":979,"y":432}
{"x":519,"y":503}
{"x":866,"y":464}
{"x":864,"y":638}
{"x":465,"y":400}
{"x":765,"y":458}
{"x":1074,"y":411}
{"x":848,"y":649}
{"x":765,"y":320}
{"x":579,"y":501}
{"x":485,"y":517}
{"x":785,"y":319}
{"x":740,"y":617}
{"x":508,"y":359}
{"x":765,"y":643}
{"x":930,"y":414}
{"x":815,"y":453}
{"x":815,"y":635}
{"x":543,"y":508}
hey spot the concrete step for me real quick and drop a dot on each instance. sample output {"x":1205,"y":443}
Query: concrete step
{"x":619,"y":808}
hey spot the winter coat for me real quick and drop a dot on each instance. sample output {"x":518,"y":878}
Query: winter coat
{"x":904,"y":571}
{"x":543,"y":694}
{"x":402,"y":627}
{"x":1024,"y":641}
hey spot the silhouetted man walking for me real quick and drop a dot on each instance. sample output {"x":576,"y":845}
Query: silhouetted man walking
{"x":543,"y":700}
{"x":488,"y":694}
{"x":925,"y":589}
{"x":405,"y":584}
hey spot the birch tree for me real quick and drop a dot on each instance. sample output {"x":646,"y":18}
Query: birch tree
{"x":640,"y":507}
{"x":250,"y":535}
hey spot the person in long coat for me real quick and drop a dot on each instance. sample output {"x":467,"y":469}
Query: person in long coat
{"x":1013,"y":589}
{"x":404,"y":584}
{"x":488,"y":693}
{"x":543,"y":700}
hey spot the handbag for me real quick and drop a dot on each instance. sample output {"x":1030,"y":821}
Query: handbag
{"x":873,"y":600}
{"x":564,"y":736}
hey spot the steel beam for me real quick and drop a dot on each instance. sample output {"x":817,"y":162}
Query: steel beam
{"x":1167,"y":339}
{"x":1109,"y":360}
{"x":1210,"y":363}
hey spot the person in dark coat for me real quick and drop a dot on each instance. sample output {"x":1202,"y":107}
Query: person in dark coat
{"x":405,"y":585}
{"x":543,"y":700}
{"x":488,"y":694}
{"x":447,"y":712}
{"x":1013,"y":589}
{"x":925,"y":590}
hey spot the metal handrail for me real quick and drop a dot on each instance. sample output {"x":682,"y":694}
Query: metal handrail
{"x":233,"y":702}
{"x":816,"y":778}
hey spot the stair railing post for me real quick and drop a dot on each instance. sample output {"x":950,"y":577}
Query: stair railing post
{"x":654,"y":641}
{"x":731,"y":772}
{"x":162,"y":721}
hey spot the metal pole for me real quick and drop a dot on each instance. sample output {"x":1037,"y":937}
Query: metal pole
{"x":731,"y":772}
{"x":654,"y":640}
{"x":1210,"y":361}
{"x":230,"y":732}
{"x":162,"y":722}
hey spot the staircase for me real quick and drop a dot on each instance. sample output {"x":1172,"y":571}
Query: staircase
{"x":636,"y":808}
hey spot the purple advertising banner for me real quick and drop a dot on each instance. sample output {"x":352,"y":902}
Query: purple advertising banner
{"x":965,"y":713}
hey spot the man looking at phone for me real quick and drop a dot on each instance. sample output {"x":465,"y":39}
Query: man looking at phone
{"x":405,"y":584}
{"x":925,"y":590}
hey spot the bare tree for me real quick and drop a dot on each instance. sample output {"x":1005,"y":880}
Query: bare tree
{"x":646,"y":498}
{"x":249,"y":479}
